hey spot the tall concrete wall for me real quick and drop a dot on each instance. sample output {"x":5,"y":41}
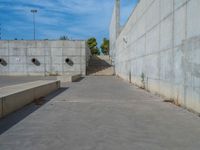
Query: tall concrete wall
{"x":114,"y":28}
{"x":159,"y":48}
{"x":43,"y":57}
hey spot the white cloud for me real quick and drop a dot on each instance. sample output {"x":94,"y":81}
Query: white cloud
{"x":77,"y":18}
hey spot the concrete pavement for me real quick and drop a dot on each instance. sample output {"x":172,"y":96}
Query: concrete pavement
{"x":101,"y":113}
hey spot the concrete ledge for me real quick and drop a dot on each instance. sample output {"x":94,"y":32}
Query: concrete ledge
{"x":69,"y":78}
{"x":15,"y":97}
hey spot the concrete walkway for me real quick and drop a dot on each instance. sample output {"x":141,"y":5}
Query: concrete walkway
{"x":101,"y":113}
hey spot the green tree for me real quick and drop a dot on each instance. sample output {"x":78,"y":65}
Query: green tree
{"x":92,"y":43}
{"x":63,"y":38}
{"x":105,"y":46}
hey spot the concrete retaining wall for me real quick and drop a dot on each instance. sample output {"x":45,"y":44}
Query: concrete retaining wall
{"x":159,"y":49}
{"x":15,"y":97}
{"x":16,"y":57}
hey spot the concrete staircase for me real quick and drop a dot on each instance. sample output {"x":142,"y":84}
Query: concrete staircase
{"x":100,"y":66}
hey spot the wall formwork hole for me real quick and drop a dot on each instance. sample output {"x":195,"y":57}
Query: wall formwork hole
{"x":67,"y":60}
{"x":3,"y":62}
{"x":33,"y":60}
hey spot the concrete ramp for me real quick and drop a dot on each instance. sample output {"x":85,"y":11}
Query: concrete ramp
{"x":100,"y":66}
{"x":15,"y":97}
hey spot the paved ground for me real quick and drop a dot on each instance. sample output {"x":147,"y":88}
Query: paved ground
{"x":101,"y":113}
{"x":7,"y":81}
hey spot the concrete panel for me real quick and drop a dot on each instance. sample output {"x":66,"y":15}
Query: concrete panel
{"x":193,"y":23}
{"x":152,"y":85}
{"x":151,"y":69}
{"x":17,"y":43}
{"x":152,"y":40}
{"x":178,"y":70}
{"x":4,"y":51}
{"x":192,"y":99}
{"x":166,"y":8}
{"x":57,"y":60}
{"x":166,"y":70}
{"x":140,"y":47}
{"x":39,"y":51}
{"x":17,"y":59}
{"x":72,"y":51}
{"x":72,"y":44}
{"x":75,"y":67}
{"x":166,"y":34}
{"x":4,"y":44}
{"x":179,"y":3}
{"x":17,"y":69}
{"x":166,"y":89}
{"x":17,"y":51}
{"x":56,"y":44}
{"x":56,"y":68}
{"x":57,"y":51}
{"x":179,"y":25}
{"x":152,"y":15}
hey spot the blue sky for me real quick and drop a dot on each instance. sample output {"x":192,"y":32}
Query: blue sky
{"x":78,"y":19}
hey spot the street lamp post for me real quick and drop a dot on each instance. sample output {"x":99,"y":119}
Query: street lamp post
{"x":34,"y":11}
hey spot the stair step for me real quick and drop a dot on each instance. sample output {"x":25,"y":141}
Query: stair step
{"x":100,"y":65}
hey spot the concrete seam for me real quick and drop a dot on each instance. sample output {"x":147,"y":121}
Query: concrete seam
{"x":160,"y":21}
{"x":147,"y":8}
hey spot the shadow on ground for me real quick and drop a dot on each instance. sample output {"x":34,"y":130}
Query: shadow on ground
{"x":79,"y":80}
{"x":14,"y":118}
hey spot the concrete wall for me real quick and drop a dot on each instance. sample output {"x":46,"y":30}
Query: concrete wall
{"x":114,"y":28}
{"x":160,"y":44}
{"x":17,"y":57}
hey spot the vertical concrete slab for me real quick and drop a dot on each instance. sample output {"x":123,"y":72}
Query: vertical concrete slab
{"x":193,"y":23}
{"x":1,"y":108}
{"x":179,"y":25}
{"x":166,"y":8}
{"x":166,"y":33}
{"x":179,"y":3}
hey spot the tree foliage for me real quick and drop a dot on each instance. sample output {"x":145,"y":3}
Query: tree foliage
{"x":92,"y":43}
{"x":105,"y":46}
{"x":63,"y":38}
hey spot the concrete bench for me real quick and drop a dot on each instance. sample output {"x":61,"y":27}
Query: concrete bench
{"x":15,"y":97}
{"x":69,"y":78}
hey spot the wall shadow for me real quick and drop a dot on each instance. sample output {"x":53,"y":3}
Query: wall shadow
{"x":96,"y":64}
{"x":10,"y":120}
{"x":79,"y":80}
